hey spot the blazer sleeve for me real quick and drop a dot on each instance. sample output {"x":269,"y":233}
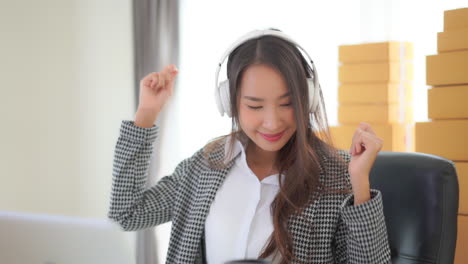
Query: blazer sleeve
{"x":131,"y":205}
{"x":361,"y":235}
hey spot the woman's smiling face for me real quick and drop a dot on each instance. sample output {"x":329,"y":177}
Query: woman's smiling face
{"x":266,"y":114}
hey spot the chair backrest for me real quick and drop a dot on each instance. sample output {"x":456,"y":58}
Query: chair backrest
{"x":420,"y":197}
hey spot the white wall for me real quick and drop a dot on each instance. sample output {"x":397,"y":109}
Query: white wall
{"x":66,"y":78}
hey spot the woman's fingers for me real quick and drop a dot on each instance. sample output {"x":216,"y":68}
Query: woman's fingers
{"x":356,"y":135}
{"x":371,"y":141}
{"x":365,"y":138}
{"x":170,"y":74}
{"x":366,"y":127}
{"x":147,"y":80}
{"x":169,"y":69}
{"x":156,"y":81}
{"x":163,"y":79}
{"x":166,"y":77}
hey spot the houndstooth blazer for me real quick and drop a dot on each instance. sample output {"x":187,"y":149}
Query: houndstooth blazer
{"x":340,"y":232}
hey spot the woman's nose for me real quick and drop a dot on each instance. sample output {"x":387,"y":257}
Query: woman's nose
{"x":272,"y":120}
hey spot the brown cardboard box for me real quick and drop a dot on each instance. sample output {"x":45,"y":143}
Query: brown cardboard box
{"x":375,"y":113}
{"x":452,"y":40}
{"x":462,"y":172}
{"x":398,"y":137}
{"x":375,"y":72}
{"x":461,"y":252}
{"x":376,"y":52}
{"x":447,"y":68}
{"x":448,"y":102}
{"x":455,"y":19}
{"x":446,"y":138}
{"x":383,"y":93}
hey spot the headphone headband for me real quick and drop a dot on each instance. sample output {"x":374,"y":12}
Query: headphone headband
{"x":256,"y":34}
{"x":222,"y":90}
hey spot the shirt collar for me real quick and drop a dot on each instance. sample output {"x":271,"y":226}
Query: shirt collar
{"x":239,"y":147}
{"x":239,"y":151}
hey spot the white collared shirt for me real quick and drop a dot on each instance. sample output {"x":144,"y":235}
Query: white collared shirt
{"x":239,"y":223}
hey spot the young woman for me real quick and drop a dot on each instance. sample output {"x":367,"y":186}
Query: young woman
{"x":272,"y":188}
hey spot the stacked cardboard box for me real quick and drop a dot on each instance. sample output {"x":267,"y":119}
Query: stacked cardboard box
{"x":445,"y":135}
{"x":375,"y":87}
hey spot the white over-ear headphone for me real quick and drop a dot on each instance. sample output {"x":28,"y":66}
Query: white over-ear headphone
{"x":222,"y":89}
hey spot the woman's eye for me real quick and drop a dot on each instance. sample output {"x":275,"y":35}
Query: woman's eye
{"x":259,"y":107}
{"x":254,"y":107}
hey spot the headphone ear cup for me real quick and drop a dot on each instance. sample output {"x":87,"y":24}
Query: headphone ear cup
{"x":313,"y":95}
{"x":219,"y":104}
{"x":224,"y":97}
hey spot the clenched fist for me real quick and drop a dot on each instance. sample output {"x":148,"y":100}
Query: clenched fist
{"x":155,"y":89}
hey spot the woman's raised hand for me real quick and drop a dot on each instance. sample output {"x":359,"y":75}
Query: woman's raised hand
{"x":155,"y":89}
{"x":364,"y":149}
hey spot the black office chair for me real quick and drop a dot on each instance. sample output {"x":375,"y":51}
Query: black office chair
{"x":420,"y":197}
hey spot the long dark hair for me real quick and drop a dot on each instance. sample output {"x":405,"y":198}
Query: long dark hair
{"x":301,"y":158}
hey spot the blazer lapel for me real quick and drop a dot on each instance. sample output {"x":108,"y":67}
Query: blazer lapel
{"x":210,"y":180}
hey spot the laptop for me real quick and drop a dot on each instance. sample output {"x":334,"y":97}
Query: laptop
{"x":49,"y":239}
